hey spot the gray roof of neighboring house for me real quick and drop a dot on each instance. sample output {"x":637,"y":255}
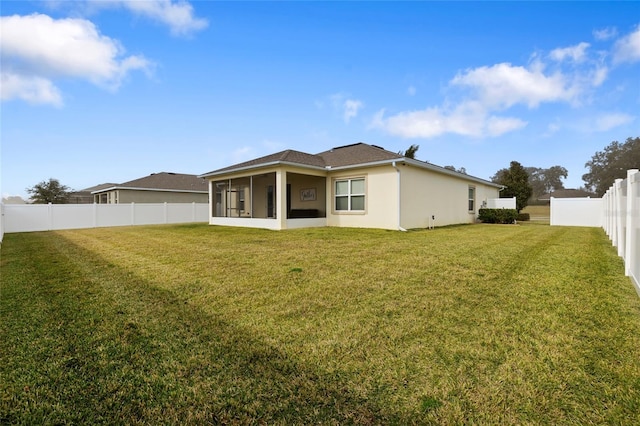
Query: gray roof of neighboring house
{"x":358,"y":154}
{"x":98,"y":187}
{"x":567,"y":193}
{"x":163,"y":181}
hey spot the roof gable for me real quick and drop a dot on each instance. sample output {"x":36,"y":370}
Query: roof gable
{"x":358,"y":153}
{"x":287,"y":156}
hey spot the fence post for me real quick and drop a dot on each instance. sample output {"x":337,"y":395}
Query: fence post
{"x":166,"y":215}
{"x":133,"y":213}
{"x":193,"y":211}
{"x":95,"y":215}
{"x":629,"y":258}
{"x":49,"y":217}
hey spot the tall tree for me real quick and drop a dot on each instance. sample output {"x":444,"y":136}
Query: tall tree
{"x":611,"y":164}
{"x":516,"y":182}
{"x":51,"y":191}
{"x":543,"y":181}
{"x":410,"y":152}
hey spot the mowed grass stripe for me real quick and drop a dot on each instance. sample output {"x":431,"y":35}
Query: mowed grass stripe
{"x":193,"y":324}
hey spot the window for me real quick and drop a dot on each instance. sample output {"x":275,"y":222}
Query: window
{"x":349,"y":194}
{"x":472,"y":199}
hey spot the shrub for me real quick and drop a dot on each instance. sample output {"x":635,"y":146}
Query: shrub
{"x":498,"y":215}
{"x":523,"y":217}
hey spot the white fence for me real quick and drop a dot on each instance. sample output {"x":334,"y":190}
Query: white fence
{"x":617,"y":212}
{"x":49,"y":217}
{"x":622,"y":221}
{"x":501,"y":203}
{"x":576,"y":212}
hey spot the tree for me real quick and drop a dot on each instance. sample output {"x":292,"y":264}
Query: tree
{"x":543,"y":181}
{"x":611,"y":164}
{"x":50,"y":191}
{"x":516,"y":182}
{"x":410,"y":152}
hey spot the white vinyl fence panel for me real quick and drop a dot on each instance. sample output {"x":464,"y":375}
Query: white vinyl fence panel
{"x":577,"y":212}
{"x":617,"y":212}
{"x":48,"y":217}
{"x":622,"y":221}
{"x":501,"y":203}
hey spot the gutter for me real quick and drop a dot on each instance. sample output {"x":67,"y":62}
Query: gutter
{"x":393,"y":164}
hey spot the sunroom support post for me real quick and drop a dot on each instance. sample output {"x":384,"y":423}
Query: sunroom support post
{"x":281,"y":199}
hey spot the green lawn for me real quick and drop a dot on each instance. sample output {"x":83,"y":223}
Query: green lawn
{"x":194,"y":324}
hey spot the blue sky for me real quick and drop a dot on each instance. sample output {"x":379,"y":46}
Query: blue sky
{"x":111,"y":91}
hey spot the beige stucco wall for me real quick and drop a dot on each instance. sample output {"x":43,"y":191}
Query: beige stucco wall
{"x":427,"y":193}
{"x":136,"y":196}
{"x":380,"y":201}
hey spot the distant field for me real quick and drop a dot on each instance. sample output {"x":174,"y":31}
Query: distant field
{"x":538,"y":213}
{"x":195,"y":324}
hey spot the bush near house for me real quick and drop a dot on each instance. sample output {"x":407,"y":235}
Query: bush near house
{"x":498,"y":215}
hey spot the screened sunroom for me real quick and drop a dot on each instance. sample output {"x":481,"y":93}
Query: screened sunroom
{"x":302,"y":197}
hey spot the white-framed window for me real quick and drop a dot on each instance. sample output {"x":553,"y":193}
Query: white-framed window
{"x":472,"y":199}
{"x":349,"y":194}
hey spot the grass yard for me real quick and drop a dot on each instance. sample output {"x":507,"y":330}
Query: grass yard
{"x":193,"y":324}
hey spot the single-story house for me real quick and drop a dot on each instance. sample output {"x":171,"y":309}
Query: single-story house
{"x":164,"y":187}
{"x":357,"y":185}
{"x":565,"y":193}
{"x":85,"y":196}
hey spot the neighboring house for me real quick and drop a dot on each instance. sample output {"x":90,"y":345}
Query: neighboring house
{"x":85,"y":196}
{"x":357,"y":185}
{"x":156,"y":188}
{"x":565,"y":193}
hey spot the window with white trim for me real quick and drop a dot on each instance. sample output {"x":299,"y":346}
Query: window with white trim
{"x":472,"y":199}
{"x":349,"y":194}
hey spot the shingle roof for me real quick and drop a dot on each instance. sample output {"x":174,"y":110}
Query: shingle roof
{"x":98,"y":187}
{"x":348,"y":155}
{"x":567,"y":193}
{"x":358,"y":153}
{"x":287,"y":156}
{"x":164,"y":181}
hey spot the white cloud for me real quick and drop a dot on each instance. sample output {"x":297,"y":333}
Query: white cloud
{"x":478,"y":97}
{"x":351,"y":108}
{"x":34,"y":90}
{"x":178,"y":16}
{"x":576,"y":53}
{"x":504,"y":85}
{"x":627,"y":49}
{"x":37,"y":49}
{"x":605,"y":33}
{"x":467,"y":119}
{"x":348,"y":107}
{"x":609,"y":121}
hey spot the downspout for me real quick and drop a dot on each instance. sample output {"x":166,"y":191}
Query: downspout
{"x":400,"y":228}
